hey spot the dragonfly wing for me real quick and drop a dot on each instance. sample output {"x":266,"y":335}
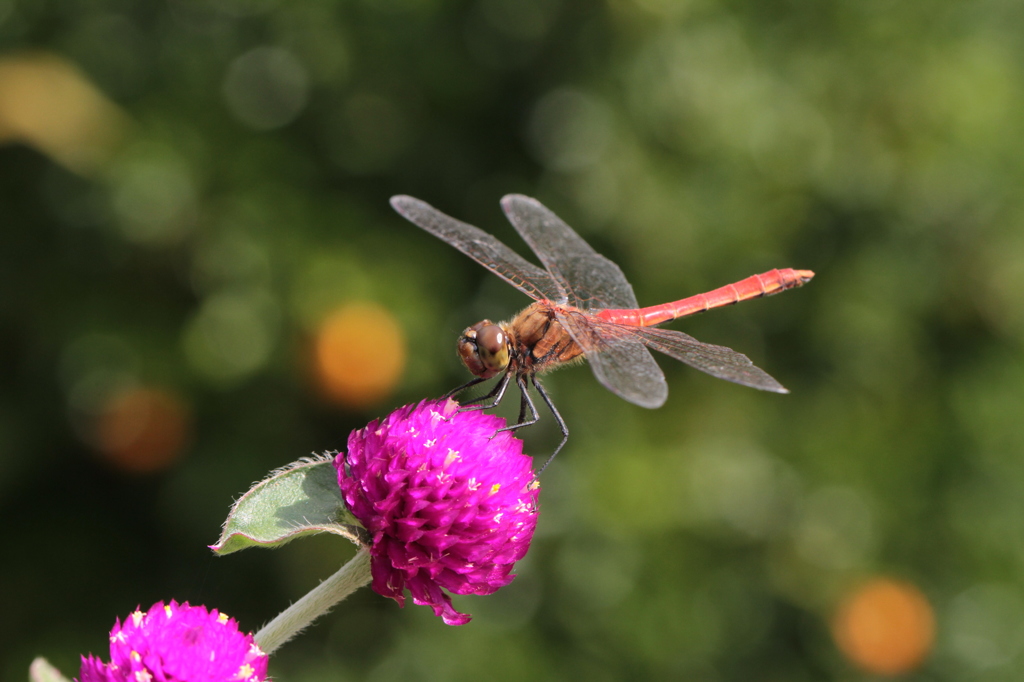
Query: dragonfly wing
{"x":718,"y":361}
{"x":619,"y":361}
{"x":591,"y":280}
{"x":481,"y":247}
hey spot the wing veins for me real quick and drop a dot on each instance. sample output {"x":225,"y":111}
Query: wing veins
{"x":620,"y":362}
{"x":718,"y":361}
{"x":590,"y":280}
{"x":481,"y":247}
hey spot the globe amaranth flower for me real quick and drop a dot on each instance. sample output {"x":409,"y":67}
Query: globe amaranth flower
{"x":449,"y":501}
{"x":177,"y":643}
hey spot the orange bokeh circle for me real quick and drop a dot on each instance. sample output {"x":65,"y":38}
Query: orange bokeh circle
{"x":143,"y":430}
{"x":360,"y":354}
{"x":885,"y":626}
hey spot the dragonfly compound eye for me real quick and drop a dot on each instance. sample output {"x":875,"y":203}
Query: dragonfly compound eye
{"x":492,"y":344}
{"x":484,"y":349}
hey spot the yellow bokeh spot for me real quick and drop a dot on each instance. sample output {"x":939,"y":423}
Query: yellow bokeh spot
{"x":885,"y":626}
{"x":360,"y":354}
{"x":48,"y":103}
{"x":143,"y":430}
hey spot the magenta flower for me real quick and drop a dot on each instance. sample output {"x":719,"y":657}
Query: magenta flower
{"x":449,"y":501}
{"x":177,"y":643}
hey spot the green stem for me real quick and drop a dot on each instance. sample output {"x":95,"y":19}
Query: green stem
{"x":317,"y":602}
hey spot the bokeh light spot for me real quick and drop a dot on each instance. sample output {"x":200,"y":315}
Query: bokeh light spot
{"x":266,"y":88}
{"x":835,"y":529}
{"x":885,"y":626}
{"x":143,"y":430}
{"x":360,"y":354}
{"x":233,"y":335}
{"x":570,"y":130}
{"x":48,"y":103}
{"x":154,"y":198}
{"x":984,"y":626}
{"x":734,"y":483}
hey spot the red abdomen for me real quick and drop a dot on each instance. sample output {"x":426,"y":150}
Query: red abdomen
{"x":755,"y":286}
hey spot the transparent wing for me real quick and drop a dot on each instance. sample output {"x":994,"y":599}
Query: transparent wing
{"x":619,"y":361}
{"x":481,"y":247}
{"x":718,"y":361}
{"x":590,"y":280}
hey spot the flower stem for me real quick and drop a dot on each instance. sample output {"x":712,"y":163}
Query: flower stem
{"x":315,"y":603}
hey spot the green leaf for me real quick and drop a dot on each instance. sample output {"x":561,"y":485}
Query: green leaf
{"x":41,"y":671}
{"x":300,"y":499}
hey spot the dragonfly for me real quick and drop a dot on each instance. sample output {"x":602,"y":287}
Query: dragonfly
{"x":584,"y":308}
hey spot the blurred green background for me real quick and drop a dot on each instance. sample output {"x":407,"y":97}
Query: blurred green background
{"x":201,"y":280}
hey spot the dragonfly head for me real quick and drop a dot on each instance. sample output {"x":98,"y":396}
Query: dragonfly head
{"x":485,"y":349}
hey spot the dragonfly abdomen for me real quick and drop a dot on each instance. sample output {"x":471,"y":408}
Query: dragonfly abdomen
{"x":755,"y":286}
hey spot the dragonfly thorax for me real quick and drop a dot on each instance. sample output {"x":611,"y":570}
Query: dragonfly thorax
{"x":485,"y":349}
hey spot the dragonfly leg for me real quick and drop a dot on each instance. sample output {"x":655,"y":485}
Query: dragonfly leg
{"x":459,"y":389}
{"x":525,"y":405}
{"x":495,"y":396}
{"x":558,"y":418}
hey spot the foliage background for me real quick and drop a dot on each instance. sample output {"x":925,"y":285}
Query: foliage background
{"x":204,"y":183}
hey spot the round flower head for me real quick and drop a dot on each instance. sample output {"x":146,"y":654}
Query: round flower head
{"x":449,"y":501}
{"x":177,"y":643}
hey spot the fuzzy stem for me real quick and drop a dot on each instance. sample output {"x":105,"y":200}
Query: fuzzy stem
{"x":315,"y":603}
